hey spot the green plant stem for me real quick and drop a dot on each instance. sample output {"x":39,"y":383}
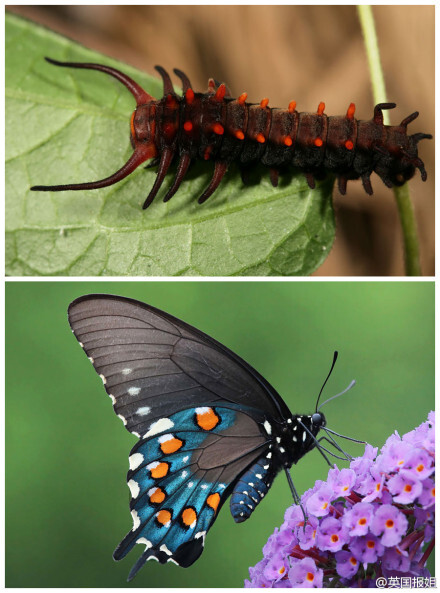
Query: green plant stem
{"x":402,"y":195}
{"x":409,"y":229}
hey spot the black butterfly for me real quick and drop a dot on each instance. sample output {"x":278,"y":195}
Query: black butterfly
{"x":209,"y":425}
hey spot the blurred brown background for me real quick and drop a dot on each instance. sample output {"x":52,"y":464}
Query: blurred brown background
{"x":306,"y":53}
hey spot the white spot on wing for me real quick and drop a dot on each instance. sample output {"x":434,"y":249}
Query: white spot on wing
{"x":134,"y":488}
{"x":174,"y":561}
{"x":136,"y":434}
{"x":153,"y":558}
{"x":135,"y":460}
{"x":259,"y":476}
{"x":294,"y":439}
{"x":159,"y":426}
{"x":91,"y":359}
{"x":163,"y":548}
{"x":166,"y":437}
{"x":134,"y":390}
{"x":304,"y":436}
{"x":190,"y":484}
{"x":143,"y":411}
{"x":127,"y":371}
{"x":104,"y":380}
{"x":123,"y":419}
{"x":204,"y":486}
{"x":81,"y":344}
{"x":184,"y":474}
{"x":203,"y":410}
{"x":143,"y":540}
{"x":267,"y":427}
{"x":136,"y":520}
{"x":112,"y":397}
{"x":185,"y":459}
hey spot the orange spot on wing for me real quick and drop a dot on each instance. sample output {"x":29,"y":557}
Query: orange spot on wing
{"x":189,"y":96}
{"x":171,"y":445}
{"x":239,"y":134}
{"x":318,"y":142}
{"x":207,"y":419}
{"x":220,"y":93}
{"x":189,"y":516}
{"x":242,"y":98}
{"x":260,"y":138}
{"x":218,"y":129}
{"x":288,"y":141}
{"x":350,"y":111}
{"x":187,"y":126}
{"x":321,"y":108}
{"x":160,"y":471}
{"x":163,"y":517}
{"x":349,"y":145}
{"x":213,"y":500}
{"x":157,"y":496}
{"x":264,"y":103}
{"x":292,"y":106}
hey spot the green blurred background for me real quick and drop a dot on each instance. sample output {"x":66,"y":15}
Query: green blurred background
{"x":66,"y":452}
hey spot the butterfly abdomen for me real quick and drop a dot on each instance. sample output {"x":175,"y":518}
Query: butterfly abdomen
{"x":214,"y":126}
{"x":252,"y":487}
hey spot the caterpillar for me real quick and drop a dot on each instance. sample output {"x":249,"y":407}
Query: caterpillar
{"x":215,"y":126}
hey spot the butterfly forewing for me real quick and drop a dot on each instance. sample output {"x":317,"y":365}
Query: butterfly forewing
{"x":153,"y":365}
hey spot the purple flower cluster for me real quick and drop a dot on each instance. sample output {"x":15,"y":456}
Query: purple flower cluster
{"x":375,"y":519}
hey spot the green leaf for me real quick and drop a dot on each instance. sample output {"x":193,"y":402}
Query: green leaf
{"x":71,"y":126}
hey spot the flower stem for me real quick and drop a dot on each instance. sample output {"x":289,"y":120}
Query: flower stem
{"x":403,"y":199}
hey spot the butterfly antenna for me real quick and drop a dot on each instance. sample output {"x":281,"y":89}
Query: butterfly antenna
{"x":335,"y":358}
{"x":352,"y":384}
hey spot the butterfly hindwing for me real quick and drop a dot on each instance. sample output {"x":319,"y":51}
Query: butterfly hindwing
{"x":178,"y":480}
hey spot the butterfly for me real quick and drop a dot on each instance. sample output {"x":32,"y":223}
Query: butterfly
{"x":209,"y":425}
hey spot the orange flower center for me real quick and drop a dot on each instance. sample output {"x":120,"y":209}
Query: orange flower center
{"x":389,"y":523}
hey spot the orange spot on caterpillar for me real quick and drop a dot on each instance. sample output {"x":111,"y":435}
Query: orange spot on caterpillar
{"x":187,"y":126}
{"x":321,"y":108}
{"x":160,"y":471}
{"x":213,"y":500}
{"x":133,"y":134}
{"x":264,"y":103}
{"x":157,"y":496}
{"x":239,"y":134}
{"x":189,"y":516}
{"x":207,"y":418}
{"x":349,"y":145}
{"x":220,"y":93}
{"x":163,"y":517}
{"x":242,"y":98}
{"x":292,"y":106}
{"x":350,"y":111}
{"x":218,"y":129}
{"x":171,"y":445}
{"x":288,"y":141}
{"x":260,"y":138}
{"x":318,"y":142}
{"x":207,"y":153}
{"x":171,"y":101}
{"x":189,"y":96}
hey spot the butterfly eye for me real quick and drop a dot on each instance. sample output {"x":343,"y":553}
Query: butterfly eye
{"x":317,"y":419}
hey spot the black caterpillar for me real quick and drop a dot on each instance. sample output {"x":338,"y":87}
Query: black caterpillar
{"x":214,"y":126}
